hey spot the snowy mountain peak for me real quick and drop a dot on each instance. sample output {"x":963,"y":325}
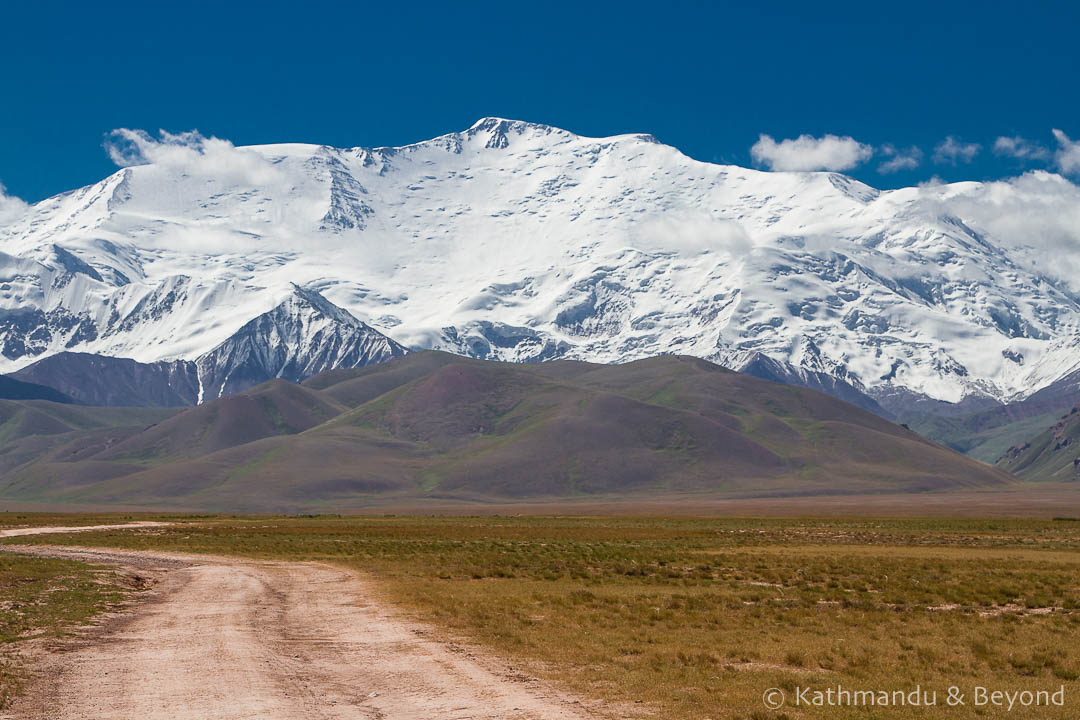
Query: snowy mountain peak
{"x":302,"y":336}
{"x":308,"y":305}
{"x":498,"y":133}
{"x":520,"y":241}
{"x":503,"y":126}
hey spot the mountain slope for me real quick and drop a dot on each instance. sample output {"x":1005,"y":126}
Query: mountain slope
{"x":73,"y":463}
{"x":98,"y":380}
{"x":767,"y":368}
{"x":987,"y":433}
{"x":1053,"y":454}
{"x":14,"y":388}
{"x":517,"y":241}
{"x":300,"y":337}
{"x":40,"y":431}
{"x":275,"y":408}
{"x":354,"y":387}
{"x":439,"y":427}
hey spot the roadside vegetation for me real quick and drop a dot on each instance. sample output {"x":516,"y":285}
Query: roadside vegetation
{"x":44,"y":598}
{"x":680,"y":618}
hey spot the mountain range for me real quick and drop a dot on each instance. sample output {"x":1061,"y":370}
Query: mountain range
{"x":435,"y":427}
{"x":204,"y":270}
{"x":518,"y":241}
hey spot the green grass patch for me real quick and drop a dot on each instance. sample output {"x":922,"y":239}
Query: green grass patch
{"x":44,"y":597}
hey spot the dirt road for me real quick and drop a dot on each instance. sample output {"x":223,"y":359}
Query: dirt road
{"x":18,"y":532}
{"x":224,"y":639}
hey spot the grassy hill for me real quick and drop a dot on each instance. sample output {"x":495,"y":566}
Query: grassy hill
{"x":273,"y":408}
{"x":439,"y":427}
{"x":36,"y":433}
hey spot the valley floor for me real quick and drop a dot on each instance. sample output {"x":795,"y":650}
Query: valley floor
{"x":1029,"y":500}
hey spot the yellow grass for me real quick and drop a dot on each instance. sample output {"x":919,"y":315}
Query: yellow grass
{"x":680,"y":618}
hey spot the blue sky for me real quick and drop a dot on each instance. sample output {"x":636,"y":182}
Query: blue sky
{"x":708,"y":78}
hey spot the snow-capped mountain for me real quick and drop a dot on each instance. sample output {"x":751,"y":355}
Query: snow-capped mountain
{"x":302,"y":336}
{"x":519,"y":241}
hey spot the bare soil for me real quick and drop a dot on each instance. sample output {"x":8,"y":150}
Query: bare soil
{"x":228,"y":639}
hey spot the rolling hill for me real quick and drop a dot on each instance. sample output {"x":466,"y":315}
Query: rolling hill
{"x":435,"y":427}
{"x":39,"y":432}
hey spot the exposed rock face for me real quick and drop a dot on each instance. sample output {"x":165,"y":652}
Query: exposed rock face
{"x":766,"y":368}
{"x":301,"y":337}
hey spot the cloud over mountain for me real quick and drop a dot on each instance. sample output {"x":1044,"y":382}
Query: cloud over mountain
{"x":11,"y":207}
{"x":807,"y":153}
{"x":191,"y":152}
{"x":1068,"y":154}
{"x":899,"y":159}
{"x":953,"y":151}
{"x":1020,"y":148}
{"x":1036,"y":216}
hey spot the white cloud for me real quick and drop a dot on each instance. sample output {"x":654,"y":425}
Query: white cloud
{"x":950,"y":150}
{"x":806,"y":153}
{"x":191,"y":153}
{"x":692,"y":233}
{"x":1036,"y":216}
{"x":908,"y":159}
{"x":1068,"y":155}
{"x":1020,"y":148}
{"x":11,"y":207}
